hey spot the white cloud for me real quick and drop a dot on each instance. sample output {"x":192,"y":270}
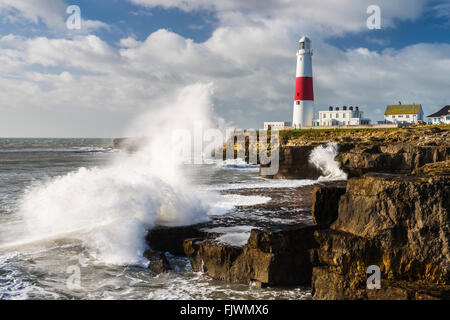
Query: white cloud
{"x":442,"y":10}
{"x":415,"y":73}
{"x":88,"y":26}
{"x":330,"y":16}
{"x":250,"y":58}
{"x":50,"y":12}
{"x":250,"y":85}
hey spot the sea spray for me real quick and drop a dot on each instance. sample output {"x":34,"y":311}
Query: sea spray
{"x":111,"y":208}
{"x":323,"y":158}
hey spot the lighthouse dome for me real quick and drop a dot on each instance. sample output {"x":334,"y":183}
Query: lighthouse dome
{"x":304,"y":43}
{"x":305,"y":39}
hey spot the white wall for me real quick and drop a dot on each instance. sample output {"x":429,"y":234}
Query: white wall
{"x":442,"y":119}
{"x":340,"y":117}
{"x":411,"y":118}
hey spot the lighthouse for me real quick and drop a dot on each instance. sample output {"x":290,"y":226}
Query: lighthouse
{"x":304,"y":93}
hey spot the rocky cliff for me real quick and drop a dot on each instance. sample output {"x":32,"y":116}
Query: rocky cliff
{"x":399,"y":223}
{"x":363,"y":151}
{"x":393,"y":213}
{"x":273,"y":256}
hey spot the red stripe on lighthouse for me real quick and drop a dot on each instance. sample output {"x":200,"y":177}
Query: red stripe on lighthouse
{"x":304,"y":89}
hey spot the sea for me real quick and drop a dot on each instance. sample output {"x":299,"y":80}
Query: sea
{"x":74,"y":214}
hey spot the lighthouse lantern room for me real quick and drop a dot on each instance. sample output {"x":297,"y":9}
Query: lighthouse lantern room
{"x":304,"y":93}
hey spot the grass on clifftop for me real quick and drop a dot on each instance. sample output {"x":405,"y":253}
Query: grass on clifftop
{"x":288,"y":136}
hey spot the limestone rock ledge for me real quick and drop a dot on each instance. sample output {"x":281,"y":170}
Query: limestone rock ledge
{"x":358,"y":158}
{"x":270,"y":257}
{"x":399,"y":151}
{"x":399,"y":223}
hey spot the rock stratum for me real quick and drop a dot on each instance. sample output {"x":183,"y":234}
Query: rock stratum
{"x":364,"y":150}
{"x":393,"y":213}
{"x":399,"y":223}
{"x":273,"y":256}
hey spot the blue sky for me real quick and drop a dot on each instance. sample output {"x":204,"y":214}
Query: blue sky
{"x":427,"y":28}
{"x":128,"y":19}
{"x":131,"y":55}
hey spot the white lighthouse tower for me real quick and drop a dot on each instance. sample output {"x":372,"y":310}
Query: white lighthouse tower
{"x":304,"y":93}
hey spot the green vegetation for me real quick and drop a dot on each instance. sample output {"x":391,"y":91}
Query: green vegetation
{"x":402,"y":109}
{"x":291,"y":136}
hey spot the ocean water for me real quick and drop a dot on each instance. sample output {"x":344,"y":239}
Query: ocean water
{"x":75,"y":209}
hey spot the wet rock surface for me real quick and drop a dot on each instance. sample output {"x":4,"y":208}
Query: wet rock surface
{"x":273,"y":256}
{"x":294,"y":163}
{"x":398,"y":223}
{"x":277,"y":250}
{"x":157,"y":261}
{"x":170,"y":239}
{"x":392,"y":213}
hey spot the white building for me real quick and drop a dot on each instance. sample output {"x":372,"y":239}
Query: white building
{"x":341,"y":117}
{"x":277,"y":125}
{"x":442,"y":116}
{"x":403,"y":113}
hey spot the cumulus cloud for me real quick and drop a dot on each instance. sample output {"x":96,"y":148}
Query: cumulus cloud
{"x":51,"y":13}
{"x":93,"y":88}
{"x":334,"y":17}
{"x":442,"y":10}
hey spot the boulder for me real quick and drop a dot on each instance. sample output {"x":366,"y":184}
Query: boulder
{"x":157,"y":261}
{"x":170,"y":239}
{"x":277,"y":256}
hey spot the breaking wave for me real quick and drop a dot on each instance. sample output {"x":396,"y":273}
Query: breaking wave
{"x":323,"y":157}
{"x":111,"y":208}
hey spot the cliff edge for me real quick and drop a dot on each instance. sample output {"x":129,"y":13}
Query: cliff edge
{"x":400,"y":224}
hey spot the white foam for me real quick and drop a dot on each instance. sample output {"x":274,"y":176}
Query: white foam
{"x":228,"y":202}
{"x":111,"y":208}
{"x":261,"y":183}
{"x":237,"y":164}
{"x":323,"y":158}
{"x":235,"y":236}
